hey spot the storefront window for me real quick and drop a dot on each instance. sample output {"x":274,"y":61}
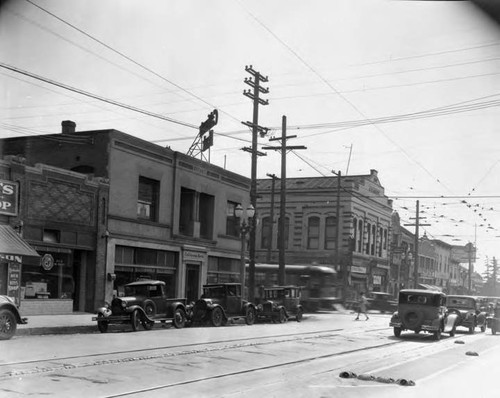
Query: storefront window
{"x":223,"y":270}
{"x":136,"y":263}
{"x":50,"y":278}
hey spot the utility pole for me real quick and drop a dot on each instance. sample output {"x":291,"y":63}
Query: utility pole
{"x":470,"y":250}
{"x":254,"y":125}
{"x":281,"y":232}
{"x":343,"y":269}
{"x":494,"y":277}
{"x":416,"y":225}
{"x":271,"y":216}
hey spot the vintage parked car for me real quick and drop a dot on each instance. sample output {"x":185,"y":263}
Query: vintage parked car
{"x":279,"y":303}
{"x":9,"y":317}
{"x":222,"y":302}
{"x":145,"y":302}
{"x":467,"y":309}
{"x":423,"y":310}
{"x":383,"y":302}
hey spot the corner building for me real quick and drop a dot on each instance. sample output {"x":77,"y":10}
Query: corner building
{"x":354,"y":241}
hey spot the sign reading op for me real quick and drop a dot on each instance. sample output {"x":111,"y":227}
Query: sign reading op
{"x":9,"y":192}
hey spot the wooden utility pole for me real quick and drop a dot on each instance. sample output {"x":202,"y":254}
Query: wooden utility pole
{"x":338,"y":243}
{"x":281,"y":225}
{"x":416,"y":225}
{"x":256,"y":129}
{"x":271,"y":216}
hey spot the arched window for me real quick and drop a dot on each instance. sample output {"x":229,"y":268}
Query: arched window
{"x":368,"y":237}
{"x":313,"y":233}
{"x":355,"y":233}
{"x":373,"y":241}
{"x":266,"y":236}
{"x":360,"y":236}
{"x":380,"y":241}
{"x":331,"y":233}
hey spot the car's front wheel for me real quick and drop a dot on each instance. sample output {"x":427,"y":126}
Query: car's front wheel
{"x":397,"y":332}
{"x":179,"y":320}
{"x":216,"y":317}
{"x":300,"y":314}
{"x":135,"y":320}
{"x":8,"y":324}
{"x":250,"y":316}
{"x":102,"y":325}
{"x":282,"y":316}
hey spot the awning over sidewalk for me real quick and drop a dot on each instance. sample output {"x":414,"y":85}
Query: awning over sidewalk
{"x":431,"y":287}
{"x":11,"y":244}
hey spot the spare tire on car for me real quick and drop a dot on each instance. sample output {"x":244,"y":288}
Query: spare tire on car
{"x":413,"y":319}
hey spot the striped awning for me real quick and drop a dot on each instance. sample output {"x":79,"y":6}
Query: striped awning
{"x":11,"y":244}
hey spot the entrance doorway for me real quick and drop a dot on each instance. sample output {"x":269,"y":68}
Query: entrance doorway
{"x":192,"y":282}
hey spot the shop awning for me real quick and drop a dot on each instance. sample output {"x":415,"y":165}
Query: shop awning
{"x":11,"y":244}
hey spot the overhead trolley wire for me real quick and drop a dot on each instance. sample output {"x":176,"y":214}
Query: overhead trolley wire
{"x":95,"y":96}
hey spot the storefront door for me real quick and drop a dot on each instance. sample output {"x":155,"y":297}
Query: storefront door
{"x":192,"y":282}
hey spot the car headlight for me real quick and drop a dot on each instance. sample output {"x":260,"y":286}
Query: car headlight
{"x":124,"y":304}
{"x":260,"y":307}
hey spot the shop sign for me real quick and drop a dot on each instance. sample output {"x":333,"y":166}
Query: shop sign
{"x":9,"y":192}
{"x":377,"y":280}
{"x":11,"y":257}
{"x":190,"y":255}
{"x":47,"y":262}
{"x":14,"y":281}
{"x":359,"y":270}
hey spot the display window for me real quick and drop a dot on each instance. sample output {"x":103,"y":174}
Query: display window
{"x":48,"y":278}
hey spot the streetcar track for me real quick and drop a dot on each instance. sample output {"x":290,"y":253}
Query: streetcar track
{"x":160,"y":348}
{"x":201,"y":348}
{"x":169,"y":354}
{"x":247,"y":371}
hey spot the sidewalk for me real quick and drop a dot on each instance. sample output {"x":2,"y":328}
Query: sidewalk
{"x":78,"y":322}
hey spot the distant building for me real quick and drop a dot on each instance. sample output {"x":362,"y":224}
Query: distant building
{"x":356,"y":244}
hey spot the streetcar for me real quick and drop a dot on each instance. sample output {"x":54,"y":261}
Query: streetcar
{"x":318,"y":283}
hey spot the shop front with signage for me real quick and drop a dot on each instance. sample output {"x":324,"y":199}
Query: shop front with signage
{"x":14,"y":253}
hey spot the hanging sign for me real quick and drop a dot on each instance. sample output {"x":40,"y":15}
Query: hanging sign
{"x":9,"y":192}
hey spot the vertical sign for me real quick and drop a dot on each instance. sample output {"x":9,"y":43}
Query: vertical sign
{"x":14,"y":281}
{"x":9,"y":192}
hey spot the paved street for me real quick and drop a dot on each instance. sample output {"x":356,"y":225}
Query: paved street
{"x":276,"y":360}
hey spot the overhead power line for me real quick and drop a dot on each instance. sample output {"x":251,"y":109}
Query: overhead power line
{"x":128,"y":58}
{"x":95,"y":96}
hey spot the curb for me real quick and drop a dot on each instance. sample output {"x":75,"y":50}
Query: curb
{"x":40,"y":331}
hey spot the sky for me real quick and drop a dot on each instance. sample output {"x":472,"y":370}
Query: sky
{"x":408,"y":88}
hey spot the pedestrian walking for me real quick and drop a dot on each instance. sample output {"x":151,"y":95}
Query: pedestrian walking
{"x":362,"y":307}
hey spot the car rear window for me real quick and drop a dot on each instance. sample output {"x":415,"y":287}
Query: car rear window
{"x":419,"y":299}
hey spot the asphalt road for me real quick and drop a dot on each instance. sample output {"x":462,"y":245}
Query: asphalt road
{"x":272,"y":360}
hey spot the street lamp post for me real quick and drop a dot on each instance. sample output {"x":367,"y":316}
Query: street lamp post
{"x":246,"y":223}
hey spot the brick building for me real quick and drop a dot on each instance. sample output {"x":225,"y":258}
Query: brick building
{"x":58,"y":218}
{"x":169,"y":216}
